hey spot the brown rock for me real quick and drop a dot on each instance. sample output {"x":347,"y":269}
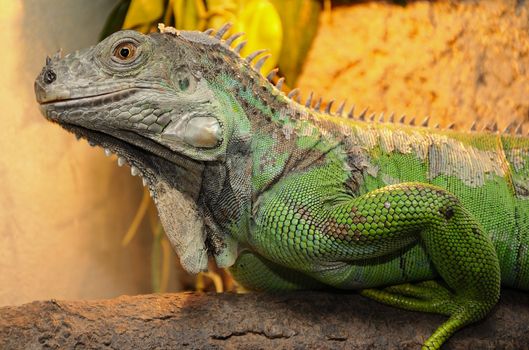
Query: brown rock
{"x":455,"y":61}
{"x":305,"y":320}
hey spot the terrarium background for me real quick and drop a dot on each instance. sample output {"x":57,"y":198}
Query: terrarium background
{"x":65,"y":208}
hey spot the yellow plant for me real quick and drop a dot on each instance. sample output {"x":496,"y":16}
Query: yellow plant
{"x":142,"y":13}
{"x":262,"y":25}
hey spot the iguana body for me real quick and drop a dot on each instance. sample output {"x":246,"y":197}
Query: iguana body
{"x":484,"y":171}
{"x":292,"y":197}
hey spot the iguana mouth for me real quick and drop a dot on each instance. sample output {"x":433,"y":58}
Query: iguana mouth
{"x":143,"y":155}
{"x":89,"y":100}
{"x":170,"y":179}
{"x":126,"y":152}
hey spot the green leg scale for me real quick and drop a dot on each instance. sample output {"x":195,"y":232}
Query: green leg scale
{"x":254,"y":272}
{"x":461,"y":252}
{"x":353,"y":231}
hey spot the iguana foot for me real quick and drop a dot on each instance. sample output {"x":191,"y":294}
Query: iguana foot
{"x":434,"y":297}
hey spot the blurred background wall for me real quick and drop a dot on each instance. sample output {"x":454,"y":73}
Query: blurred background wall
{"x":64,"y":207}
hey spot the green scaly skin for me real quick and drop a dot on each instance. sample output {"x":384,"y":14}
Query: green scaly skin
{"x":294,"y":198}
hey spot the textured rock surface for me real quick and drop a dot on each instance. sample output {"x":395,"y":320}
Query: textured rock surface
{"x":250,"y":321}
{"x":455,"y":61}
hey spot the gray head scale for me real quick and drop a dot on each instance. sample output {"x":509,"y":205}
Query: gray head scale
{"x":143,"y":98}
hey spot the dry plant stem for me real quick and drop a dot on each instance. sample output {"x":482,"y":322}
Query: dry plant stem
{"x":168,"y":12}
{"x":214,"y":277}
{"x":138,"y":218}
{"x":166,"y":261}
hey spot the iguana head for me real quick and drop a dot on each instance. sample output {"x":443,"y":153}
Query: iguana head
{"x":146,"y":98}
{"x":137,"y":88}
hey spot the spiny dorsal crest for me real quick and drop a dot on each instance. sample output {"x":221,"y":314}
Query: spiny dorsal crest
{"x":513,"y":128}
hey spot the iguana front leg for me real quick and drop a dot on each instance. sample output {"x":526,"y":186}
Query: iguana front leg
{"x":381,"y":223}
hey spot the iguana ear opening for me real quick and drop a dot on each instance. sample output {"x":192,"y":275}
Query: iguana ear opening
{"x":195,"y":123}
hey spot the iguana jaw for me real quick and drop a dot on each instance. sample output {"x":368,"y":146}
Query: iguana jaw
{"x":130,"y":146}
{"x":174,"y":185}
{"x":173,"y":179}
{"x":140,"y":155}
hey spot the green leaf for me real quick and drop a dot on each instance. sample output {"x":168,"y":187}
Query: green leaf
{"x":261,"y":23}
{"x":186,"y":13}
{"x":115,"y":20}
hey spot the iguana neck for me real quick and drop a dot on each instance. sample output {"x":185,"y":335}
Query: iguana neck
{"x":275,"y":138}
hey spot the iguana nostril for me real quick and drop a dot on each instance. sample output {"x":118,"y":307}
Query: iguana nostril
{"x":49,"y":76}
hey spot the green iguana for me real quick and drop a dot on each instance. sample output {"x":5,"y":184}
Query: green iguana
{"x":292,"y":197}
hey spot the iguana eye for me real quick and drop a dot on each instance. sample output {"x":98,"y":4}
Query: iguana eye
{"x":184,"y":81}
{"x":125,"y":52}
